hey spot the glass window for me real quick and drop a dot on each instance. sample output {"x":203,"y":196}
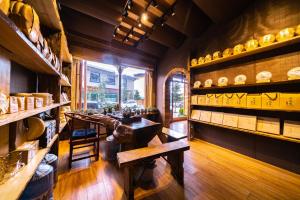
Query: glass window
{"x":102,"y":85}
{"x":133,"y":88}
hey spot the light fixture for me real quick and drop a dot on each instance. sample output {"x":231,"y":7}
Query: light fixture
{"x":126,"y":40}
{"x":144,"y":16}
{"x":125,"y":13}
{"x":118,"y":29}
{"x":173,"y":12}
{"x":154,"y":3}
{"x":129,"y":4}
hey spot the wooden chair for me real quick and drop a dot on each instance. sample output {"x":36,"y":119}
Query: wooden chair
{"x":84,"y":132}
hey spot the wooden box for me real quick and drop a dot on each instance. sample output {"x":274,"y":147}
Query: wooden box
{"x":29,"y":103}
{"x":205,"y":116}
{"x":210,"y":99}
{"x":195,"y":114}
{"x":247,"y":122}
{"x":201,"y":99}
{"x":218,"y":100}
{"x":13,"y":105}
{"x":217,"y":117}
{"x":228,"y":100}
{"x":230,"y":120}
{"x":21,"y":103}
{"x":292,"y":129}
{"x":289,"y":101}
{"x":194,"y":100}
{"x":254,"y":101}
{"x":38,"y":102}
{"x":268,"y":125}
{"x":240,"y":100}
{"x":270,"y":101}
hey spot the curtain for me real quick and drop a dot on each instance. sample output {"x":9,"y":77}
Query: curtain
{"x":149,"y":91}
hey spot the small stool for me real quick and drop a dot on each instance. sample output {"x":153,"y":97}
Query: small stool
{"x":52,"y":160}
{"x":41,"y":184}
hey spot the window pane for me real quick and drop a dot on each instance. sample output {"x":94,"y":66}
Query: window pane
{"x":133,"y":88}
{"x":102,"y":85}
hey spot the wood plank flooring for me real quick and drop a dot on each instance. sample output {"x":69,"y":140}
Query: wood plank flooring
{"x":211,"y":172}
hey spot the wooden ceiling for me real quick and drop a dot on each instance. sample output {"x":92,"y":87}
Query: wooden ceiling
{"x":90,"y":26}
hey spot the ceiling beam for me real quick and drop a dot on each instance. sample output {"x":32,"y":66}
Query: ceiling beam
{"x":108,"y":12}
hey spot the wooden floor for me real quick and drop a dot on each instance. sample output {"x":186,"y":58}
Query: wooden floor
{"x":180,"y":126}
{"x":211,"y":172}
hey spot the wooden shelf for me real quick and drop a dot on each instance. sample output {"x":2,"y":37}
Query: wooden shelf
{"x":65,"y":103}
{"x":62,"y":126}
{"x":13,"y":188}
{"x":258,"y":50}
{"x":9,"y":118}
{"x":21,"y":50}
{"x":246,"y":86}
{"x":64,"y":82}
{"x":47,"y":12}
{"x":267,"y":110}
{"x":279,"y":137}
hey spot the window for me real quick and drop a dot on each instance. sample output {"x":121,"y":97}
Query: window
{"x":95,"y":77}
{"x":133,"y":88}
{"x":103,"y":89}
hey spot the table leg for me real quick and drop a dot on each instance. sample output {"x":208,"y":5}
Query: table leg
{"x":176,"y":162}
{"x":128,"y":183}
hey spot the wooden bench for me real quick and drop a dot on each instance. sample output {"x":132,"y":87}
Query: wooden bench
{"x":168,"y":135}
{"x":128,"y":159}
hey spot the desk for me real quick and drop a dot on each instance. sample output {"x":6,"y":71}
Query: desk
{"x":143,"y":132}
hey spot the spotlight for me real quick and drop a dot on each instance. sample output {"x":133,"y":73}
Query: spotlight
{"x":126,"y":40}
{"x":118,"y":29}
{"x":154,"y":3}
{"x":125,"y":13}
{"x":129,"y":4}
{"x":144,"y":17}
{"x":173,"y":12}
{"x":114,"y":35}
{"x":140,"y":24}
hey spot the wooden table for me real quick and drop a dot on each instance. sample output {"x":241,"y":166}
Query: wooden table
{"x":143,"y":132}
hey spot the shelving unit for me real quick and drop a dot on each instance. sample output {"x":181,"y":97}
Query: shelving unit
{"x":9,"y":118}
{"x":64,"y":82}
{"x":21,"y":50}
{"x":246,"y":86}
{"x":13,"y":188}
{"x":280,"y":137}
{"x":31,"y":66}
{"x":274,"y":46}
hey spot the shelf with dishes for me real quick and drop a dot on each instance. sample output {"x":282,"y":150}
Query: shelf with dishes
{"x":21,"y":50}
{"x":286,"y":37}
{"x":14,"y":186}
{"x":13,"y":117}
{"x":280,"y":137}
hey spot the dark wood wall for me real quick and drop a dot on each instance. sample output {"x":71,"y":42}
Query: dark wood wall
{"x":260,"y":18}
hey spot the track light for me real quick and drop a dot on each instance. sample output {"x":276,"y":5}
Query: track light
{"x":154,"y":3}
{"x":173,"y":12}
{"x":129,"y":4}
{"x":126,"y":40}
{"x":140,"y":24}
{"x":125,"y":13}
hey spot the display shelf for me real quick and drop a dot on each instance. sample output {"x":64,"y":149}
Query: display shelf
{"x":62,"y":126}
{"x":65,"y":103}
{"x":9,"y":118}
{"x":279,"y":137}
{"x":13,"y":188}
{"x":239,"y":108}
{"x":244,"y":54}
{"x":21,"y":50}
{"x":247,"y":86}
{"x":64,"y":82}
